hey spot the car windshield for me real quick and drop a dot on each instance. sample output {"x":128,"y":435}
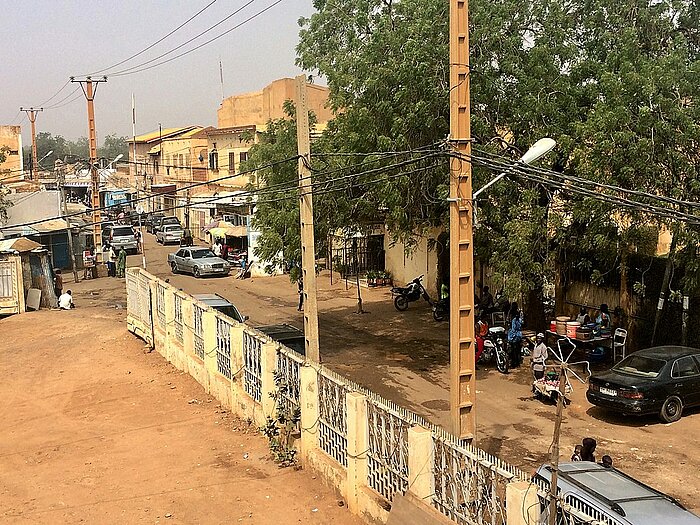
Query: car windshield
{"x":122,"y":232}
{"x":202,"y":254}
{"x":640,"y":366}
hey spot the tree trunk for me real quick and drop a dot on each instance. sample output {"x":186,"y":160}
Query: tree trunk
{"x":661,"y":306}
{"x":626,"y":298}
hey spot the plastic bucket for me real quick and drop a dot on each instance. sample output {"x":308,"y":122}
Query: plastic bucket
{"x":571,"y":328}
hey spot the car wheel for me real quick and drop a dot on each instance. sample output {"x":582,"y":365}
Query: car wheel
{"x":195,"y":272}
{"x":672,"y":409}
{"x":173,"y":267}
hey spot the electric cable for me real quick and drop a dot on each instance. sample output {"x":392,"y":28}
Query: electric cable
{"x":151,"y":46}
{"x":143,"y":66}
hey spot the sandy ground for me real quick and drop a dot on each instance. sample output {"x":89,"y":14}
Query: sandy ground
{"x":404,"y":357}
{"x":94,"y":430}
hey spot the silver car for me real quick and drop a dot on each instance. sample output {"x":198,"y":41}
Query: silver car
{"x":198,"y":261}
{"x":122,"y":236}
{"x":170,"y":233}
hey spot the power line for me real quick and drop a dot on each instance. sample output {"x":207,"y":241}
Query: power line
{"x":250,"y":18}
{"x":55,"y":94}
{"x":151,"y":46}
{"x":129,"y":69}
{"x":60,"y":104}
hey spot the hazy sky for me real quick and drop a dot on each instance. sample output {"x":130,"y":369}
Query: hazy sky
{"x":46,"y":41}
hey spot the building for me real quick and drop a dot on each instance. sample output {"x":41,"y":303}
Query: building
{"x":11,"y":142}
{"x":258,"y":107}
{"x":24,"y":266}
{"x":51,"y":232}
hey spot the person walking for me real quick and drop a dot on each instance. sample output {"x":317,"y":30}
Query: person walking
{"x":587,"y":449}
{"x":121,"y":263}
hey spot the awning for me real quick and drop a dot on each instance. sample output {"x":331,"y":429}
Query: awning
{"x":155,"y":150}
{"x":231,"y":231}
{"x":78,"y":184}
{"x":163,"y":188}
{"x":20,"y":245}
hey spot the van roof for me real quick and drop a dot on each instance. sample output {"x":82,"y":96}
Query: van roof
{"x":618,"y":494}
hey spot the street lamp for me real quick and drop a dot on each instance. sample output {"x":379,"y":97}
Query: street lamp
{"x":38,"y":162}
{"x":536,"y":151}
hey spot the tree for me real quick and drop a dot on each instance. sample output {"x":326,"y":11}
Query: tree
{"x":4,"y":203}
{"x":113,"y":146}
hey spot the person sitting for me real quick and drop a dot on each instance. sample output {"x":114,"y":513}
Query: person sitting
{"x":603,"y":319}
{"x":583,"y":316}
{"x":65,"y":302}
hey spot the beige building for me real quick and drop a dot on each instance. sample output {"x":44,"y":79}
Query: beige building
{"x":258,"y":107}
{"x":11,"y":141}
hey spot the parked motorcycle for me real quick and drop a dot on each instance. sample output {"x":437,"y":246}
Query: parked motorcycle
{"x":441,"y":309}
{"x":496,"y":349}
{"x":410,"y":293}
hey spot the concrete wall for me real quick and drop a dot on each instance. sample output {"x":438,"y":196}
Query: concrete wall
{"x":176,"y":343}
{"x":11,"y":138}
{"x":258,"y":107}
{"x":230,"y":145}
{"x":405,"y":267}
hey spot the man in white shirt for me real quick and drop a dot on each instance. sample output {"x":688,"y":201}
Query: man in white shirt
{"x":539,"y":357}
{"x":217,"y":248}
{"x":65,"y":302}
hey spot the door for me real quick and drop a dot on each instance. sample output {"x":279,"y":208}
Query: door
{"x":9,"y":286}
{"x":685,"y":378}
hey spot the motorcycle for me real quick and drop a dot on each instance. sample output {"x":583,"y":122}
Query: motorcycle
{"x":441,"y":309}
{"x":410,"y":293}
{"x":496,"y":348}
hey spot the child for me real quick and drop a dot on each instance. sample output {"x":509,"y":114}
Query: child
{"x":577,"y":454}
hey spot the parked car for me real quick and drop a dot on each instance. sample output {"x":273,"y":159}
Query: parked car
{"x":287,"y":335}
{"x":660,"y":380}
{"x":220,"y":304}
{"x":170,"y":233}
{"x":198,"y":261}
{"x":121,"y":236}
{"x":164,"y":221}
{"x":152,"y":220}
{"x":612,"y":496}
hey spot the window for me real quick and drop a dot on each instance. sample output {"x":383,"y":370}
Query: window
{"x":684,"y":367}
{"x":181,"y":253}
{"x":244,"y":156}
{"x":214,"y":160}
{"x":231,"y":161}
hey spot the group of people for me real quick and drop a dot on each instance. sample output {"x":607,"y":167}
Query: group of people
{"x":602,"y":320}
{"x":586,"y":452}
{"x":115,"y":259}
{"x":65,"y":300}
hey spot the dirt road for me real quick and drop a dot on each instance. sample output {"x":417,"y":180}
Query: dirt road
{"x":95,"y":431}
{"x":404,"y":357}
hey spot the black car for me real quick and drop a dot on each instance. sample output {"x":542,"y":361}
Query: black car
{"x":660,"y":380}
{"x":286,"y":334}
{"x":152,"y":221}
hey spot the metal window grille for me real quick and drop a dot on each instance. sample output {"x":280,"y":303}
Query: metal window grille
{"x":333,"y":430}
{"x":387,"y":457}
{"x":223,"y":347}
{"x":252,"y":378}
{"x":145,"y":302}
{"x":469,"y":489}
{"x":160,"y":305}
{"x":571,"y":511}
{"x":197,"y":312}
{"x":288,"y":366}
{"x":177,"y":303}
{"x":6,"y":288}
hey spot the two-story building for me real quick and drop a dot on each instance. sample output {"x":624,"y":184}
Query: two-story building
{"x":11,"y":142}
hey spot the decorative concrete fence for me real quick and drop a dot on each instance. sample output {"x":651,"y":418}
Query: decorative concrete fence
{"x":369,"y":448}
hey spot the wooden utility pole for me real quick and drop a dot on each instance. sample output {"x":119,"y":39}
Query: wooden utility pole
{"x":306,"y":217}
{"x":61,"y":180}
{"x":31,"y":113}
{"x":89,"y":93}
{"x":555,"y":447}
{"x":462,"y":342}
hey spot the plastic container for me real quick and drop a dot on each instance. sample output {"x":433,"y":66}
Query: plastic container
{"x":553,"y":326}
{"x":584,"y":334}
{"x":571,"y":327}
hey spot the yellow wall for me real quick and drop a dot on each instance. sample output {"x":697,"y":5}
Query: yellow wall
{"x":420,"y":261}
{"x":10,"y":137}
{"x":258,"y":107}
{"x":227,"y":143}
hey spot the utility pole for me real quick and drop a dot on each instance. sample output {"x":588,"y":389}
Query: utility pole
{"x":90,"y":93}
{"x":31,"y":113}
{"x":462,"y":365}
{"x":306,"y":216}
{"x":555,"y":447}
{"x":61,"y":180}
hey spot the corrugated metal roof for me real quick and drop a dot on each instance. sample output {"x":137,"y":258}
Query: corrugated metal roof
{"x":21,"y":245}
{"x":164,"y":134}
